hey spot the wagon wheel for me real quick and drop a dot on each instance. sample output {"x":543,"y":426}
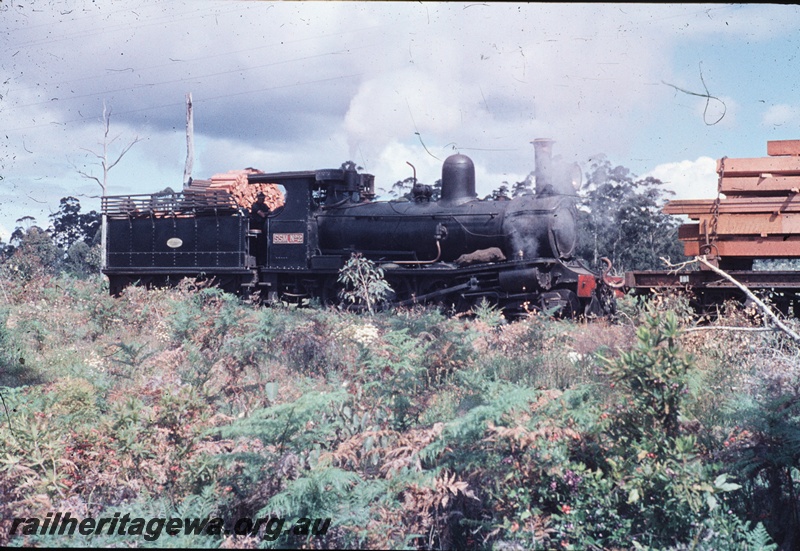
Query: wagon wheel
{"x":329,"y":291}
{"x":229,"y":283}
{"x":570,"y":307}
{"x":404,"y":288}
{"x":292,"y":292}
{"x":117,"y":284}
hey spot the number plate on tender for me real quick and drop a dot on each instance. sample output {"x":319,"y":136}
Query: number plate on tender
{"x":287,"y":238}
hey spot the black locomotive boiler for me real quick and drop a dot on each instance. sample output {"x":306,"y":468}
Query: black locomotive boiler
{"x":517,"y":253}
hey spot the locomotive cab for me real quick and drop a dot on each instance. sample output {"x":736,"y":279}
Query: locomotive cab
{"x":292,"y":237}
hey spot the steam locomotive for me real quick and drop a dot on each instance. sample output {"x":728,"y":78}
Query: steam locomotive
{"x":517,"y":253}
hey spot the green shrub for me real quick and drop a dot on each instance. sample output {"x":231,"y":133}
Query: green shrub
{"x":363,"y":283}
{"x":653,"y":380}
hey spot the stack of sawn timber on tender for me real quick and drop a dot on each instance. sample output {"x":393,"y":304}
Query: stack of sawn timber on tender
{"x":758,"y":215}
{"x":234,"y":182}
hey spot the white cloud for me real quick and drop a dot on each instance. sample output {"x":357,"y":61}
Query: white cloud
{"x":781,"y":115}
{"x":391,"y":166}
{"x":400,"y":104}
{"x":689,"y":179}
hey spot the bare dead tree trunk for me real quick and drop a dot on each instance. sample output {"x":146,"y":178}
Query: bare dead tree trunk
{"x":187,"y":171}
{"x":103,"y":187}
{"x":107,"y":166}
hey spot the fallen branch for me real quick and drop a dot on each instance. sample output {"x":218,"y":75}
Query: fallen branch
{"x":757,"y":301}
{"x":675,"y":268}
{"x":729,"y":328}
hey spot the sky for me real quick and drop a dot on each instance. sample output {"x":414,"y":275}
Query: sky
{"x":662,"y":89}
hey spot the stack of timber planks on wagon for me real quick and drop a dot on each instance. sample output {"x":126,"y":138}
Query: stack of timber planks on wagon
{"x":235,"y":183}
{"x":756,"y":213}
{"x":755,"y":216}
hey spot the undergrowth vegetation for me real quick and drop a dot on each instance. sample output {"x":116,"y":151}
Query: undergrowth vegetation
{"x":408,"y":429}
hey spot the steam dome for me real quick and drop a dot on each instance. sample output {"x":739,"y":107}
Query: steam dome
{"x":458,"y":179}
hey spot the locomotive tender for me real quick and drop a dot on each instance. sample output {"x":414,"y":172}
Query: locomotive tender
{"x":517,"y":253}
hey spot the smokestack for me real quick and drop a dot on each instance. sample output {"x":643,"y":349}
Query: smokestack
{"x":543,"y":156}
